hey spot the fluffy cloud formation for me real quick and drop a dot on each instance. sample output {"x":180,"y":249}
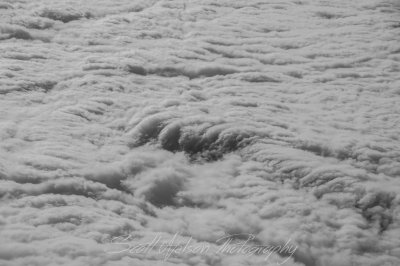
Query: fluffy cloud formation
{"x":277,"y":120}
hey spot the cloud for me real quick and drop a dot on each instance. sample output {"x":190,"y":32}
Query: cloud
{"x":204,"y":118}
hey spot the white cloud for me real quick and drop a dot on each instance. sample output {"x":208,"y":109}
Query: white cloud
{"x":203,"y":118}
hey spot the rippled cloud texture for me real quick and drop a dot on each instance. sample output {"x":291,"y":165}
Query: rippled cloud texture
{"x":207,"y":118}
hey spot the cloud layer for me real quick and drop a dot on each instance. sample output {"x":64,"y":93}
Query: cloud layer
{"x":203,"y":118}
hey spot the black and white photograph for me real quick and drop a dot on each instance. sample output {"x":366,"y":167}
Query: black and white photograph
{"x":199,"y":132}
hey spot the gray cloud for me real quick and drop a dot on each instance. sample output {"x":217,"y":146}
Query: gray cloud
{"x":203,"y":118}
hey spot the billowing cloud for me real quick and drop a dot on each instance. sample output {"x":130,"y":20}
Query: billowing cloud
{"x":271,"y":125}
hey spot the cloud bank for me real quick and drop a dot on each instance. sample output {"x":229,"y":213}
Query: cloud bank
{"x":203,"y":118}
